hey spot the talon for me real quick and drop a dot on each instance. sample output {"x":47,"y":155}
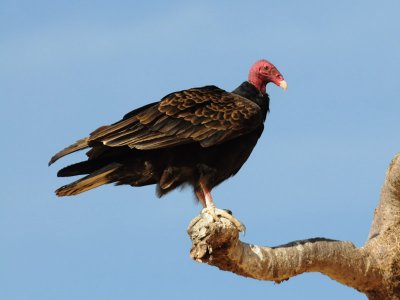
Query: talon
{"x":205,"y":198}
{"x":194,"y":221}
{"x":211,"y":211}
{"x":228,"y":211}
{"x":216,"y":213}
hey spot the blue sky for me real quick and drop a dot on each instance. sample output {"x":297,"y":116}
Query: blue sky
{"x":67,"y":67}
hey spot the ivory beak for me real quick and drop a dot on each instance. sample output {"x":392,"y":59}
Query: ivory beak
{"x":283,"y":84}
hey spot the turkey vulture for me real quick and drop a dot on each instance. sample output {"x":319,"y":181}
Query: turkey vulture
{"x":200,"y":136}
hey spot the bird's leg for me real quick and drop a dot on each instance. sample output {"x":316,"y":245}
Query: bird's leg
{"x":207,"y":197}
{"x":210,"y":208}
{"x":202,"y":200}
{"x":200,"y":197}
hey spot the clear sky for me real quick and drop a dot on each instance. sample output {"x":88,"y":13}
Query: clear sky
{"x":67,"y":67}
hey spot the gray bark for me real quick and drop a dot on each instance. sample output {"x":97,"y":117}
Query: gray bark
{"x":373,"y":269}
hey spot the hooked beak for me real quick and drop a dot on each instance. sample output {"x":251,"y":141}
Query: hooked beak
{"x":283,"y":85}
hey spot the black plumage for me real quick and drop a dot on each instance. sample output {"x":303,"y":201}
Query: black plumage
{"x":200,"y":137}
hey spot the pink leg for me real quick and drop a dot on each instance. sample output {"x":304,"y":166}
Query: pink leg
{"x":204,"y":196}
{"x":207,"y":195}
{"x":200,"y":197}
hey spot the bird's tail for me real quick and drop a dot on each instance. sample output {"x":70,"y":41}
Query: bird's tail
{"x":93,"y":180}
{"x":78,"y":145}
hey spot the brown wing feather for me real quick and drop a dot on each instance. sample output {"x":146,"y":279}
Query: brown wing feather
{"x":208,"y":115}
{"x":78,"y":145}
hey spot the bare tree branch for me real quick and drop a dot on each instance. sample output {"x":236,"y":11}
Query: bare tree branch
{"x":388,"y":211}
{"x":373,"y":269}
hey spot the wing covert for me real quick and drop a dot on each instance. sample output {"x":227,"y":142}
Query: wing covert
{"x":208,"y":115}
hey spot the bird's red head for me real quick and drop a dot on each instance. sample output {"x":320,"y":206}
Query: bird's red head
{"x":263,"y":72}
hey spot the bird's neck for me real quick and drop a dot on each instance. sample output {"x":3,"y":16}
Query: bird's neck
{"x":250,"y":92}
{"x":258,"y":83}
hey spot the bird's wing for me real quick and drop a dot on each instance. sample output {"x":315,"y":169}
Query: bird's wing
{"x":208,"y":115}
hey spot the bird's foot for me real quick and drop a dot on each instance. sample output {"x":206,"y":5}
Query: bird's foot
{"x":217,"y":213}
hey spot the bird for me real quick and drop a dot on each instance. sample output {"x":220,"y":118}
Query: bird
{"x":198,"y":137}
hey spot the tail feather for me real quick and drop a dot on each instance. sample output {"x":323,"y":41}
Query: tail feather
{"x":95,"y":179}
{"x":78,"y":145}
{"x":82,"y":168}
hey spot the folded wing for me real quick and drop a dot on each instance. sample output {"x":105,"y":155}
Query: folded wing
{"x":207,"y":115}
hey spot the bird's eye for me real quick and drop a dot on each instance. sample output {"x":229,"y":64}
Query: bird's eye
{"x":266,"y":67}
